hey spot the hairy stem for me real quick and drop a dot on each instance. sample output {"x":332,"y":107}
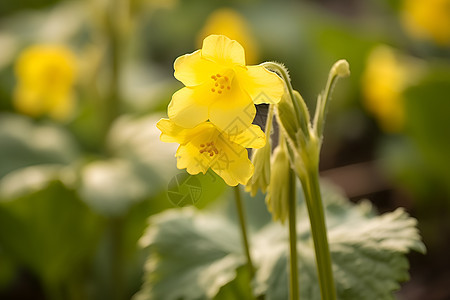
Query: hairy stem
{"x":241,"y":215}
{"x":293,"y":279}
{"x":311,"y":189}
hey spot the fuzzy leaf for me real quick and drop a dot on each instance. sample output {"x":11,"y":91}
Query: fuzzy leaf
{"x":367,"y":252}
{"x":192,"y":256}
{"x":44,"y":225}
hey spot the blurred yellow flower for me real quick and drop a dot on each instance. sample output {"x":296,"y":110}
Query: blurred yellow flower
{"x":204,"y":147}
{"x":220,"y":87}
{"x":45,"y":78}
{"x":428,"y":19}
{"x":386,"y":76}
{"x":230,"y":23}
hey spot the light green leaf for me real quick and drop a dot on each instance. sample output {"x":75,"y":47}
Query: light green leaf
{"x":136,"y":138}
{"x":24,"y":143}
{"x":367,"y":252}
{"x":45,"y":227}
{"x":192,"y":255}
{"x":112,"y":186}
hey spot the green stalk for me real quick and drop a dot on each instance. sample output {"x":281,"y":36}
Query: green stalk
{"x":316,"y":213}
{"x":293,"y":279}
{"x":115,"y":23}
{"x":117,"y":258}
{"x":240,"y":210}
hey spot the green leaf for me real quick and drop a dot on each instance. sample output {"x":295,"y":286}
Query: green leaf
{"x":367,"y":252}
{"x":192,"y":255}
{"x":45,"y":227}
{"x":110,"y":187}
{"x":24,"y":143}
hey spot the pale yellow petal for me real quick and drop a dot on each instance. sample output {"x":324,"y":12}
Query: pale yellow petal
{"x":233,"y":165}
{"x":251,"y":137}
{"x":188,"y":158}
{"x":171,"y":132}
{"x":187,"y":109}
{"x":233,"y":112}
{"x":192,"y":69}
{"x":221,"y":49}
{"x":262,"y":85}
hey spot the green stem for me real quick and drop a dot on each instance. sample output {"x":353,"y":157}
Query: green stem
{"x":340,"y":69}
{"x":240,"y":210}
{"x":322,"y":105}
{"x":117,"y":259}
{"x":112,"y":100}
{"x":293,"y":282}
{"x":316,"y":213}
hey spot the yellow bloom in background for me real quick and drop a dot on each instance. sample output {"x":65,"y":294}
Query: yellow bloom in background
{"x":45,"y":78}
{"x":428,"y":19}
{"x":220,"y":87}
{"x":230,"y":23}
{"x":386,"y":76}
{"x":204,"y":147}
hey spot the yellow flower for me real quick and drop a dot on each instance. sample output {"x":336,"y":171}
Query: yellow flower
{"x":386,"y":76}
{"x":230,"y":23}
{"x":220,"y":87}
{"x":204,"y":147}
{"x":428,"y":19}
{"x":45,"y":75}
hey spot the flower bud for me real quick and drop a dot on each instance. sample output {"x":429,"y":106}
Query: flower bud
{"x":277,"y":197}
{"x":261,"y":177}
{"x":286,"y":117}
{"x":341,"y":68}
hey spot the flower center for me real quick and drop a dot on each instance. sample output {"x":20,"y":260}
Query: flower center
{"x":221,"y":83}
{"x":209,"y":148}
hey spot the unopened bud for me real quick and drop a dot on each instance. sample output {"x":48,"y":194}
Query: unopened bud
{"x":277,"y":198}
{"x":261,"y":177}
{"x":341,"y":68}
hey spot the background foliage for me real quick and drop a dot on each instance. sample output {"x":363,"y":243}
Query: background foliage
{"x":76,"y":195}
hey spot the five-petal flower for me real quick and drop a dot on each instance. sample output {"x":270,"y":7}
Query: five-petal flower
{"x":219,"y":87}
{"x":205,"y":146}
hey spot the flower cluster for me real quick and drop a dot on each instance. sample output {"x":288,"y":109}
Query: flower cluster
{"x":211,"y":117}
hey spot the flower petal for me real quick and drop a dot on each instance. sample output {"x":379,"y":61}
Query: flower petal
{"x":232,"y":113}
{"x":187,"y":109}
{"x":223,"y":50}
{"x":251,"y":137}
{"x":261,"y":84}
{"x":171,"y":132}
{"x":188,"y":158}
{"x":192,"y":69}
{"x":233,"y":165}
